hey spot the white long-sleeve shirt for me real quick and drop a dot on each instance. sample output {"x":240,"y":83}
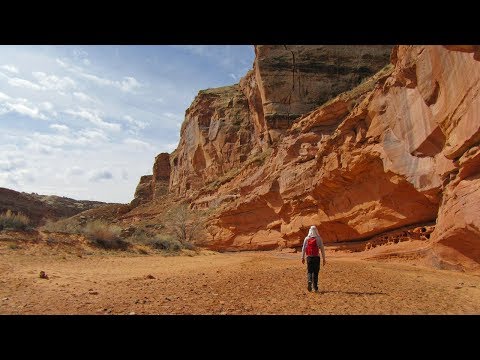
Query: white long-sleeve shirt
{"x":319,"y":244}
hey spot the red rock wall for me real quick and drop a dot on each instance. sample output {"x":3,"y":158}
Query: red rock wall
{"x":391,"y":161}
{"x":400,"y":149}
{"x":216,"y":137}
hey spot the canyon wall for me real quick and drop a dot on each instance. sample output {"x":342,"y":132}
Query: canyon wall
{"x":310,"y":136}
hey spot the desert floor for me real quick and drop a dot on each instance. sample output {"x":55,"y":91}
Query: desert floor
{"x":269,"y":282}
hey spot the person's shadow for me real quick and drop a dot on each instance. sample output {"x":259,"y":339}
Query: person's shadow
{"x":351,"y":292}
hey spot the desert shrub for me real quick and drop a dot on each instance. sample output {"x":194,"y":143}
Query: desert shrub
{"x":9,"y":220}
{"x":111,"y":244}
{"x":64,"y":226}
{"x":166,"y":243}
{"x":105,"y":235}
{"x":139,"y":238}
{"x":184,"y":224}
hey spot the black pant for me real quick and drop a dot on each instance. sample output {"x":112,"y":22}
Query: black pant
{"x":313,"y":267}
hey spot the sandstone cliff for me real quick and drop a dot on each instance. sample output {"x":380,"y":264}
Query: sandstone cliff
{"x":400,"y":149}
{"x":153,"y":186}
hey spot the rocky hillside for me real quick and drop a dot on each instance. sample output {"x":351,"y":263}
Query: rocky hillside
{"x":41,"y":207}
{"x":359,"y":140}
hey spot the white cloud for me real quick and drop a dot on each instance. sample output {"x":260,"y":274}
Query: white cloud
{"x":93,"y":135}
{"x":24,"y":83}
{"x":52,"y":82}
{"x":74,"y":171}
{"x":47,"y":105}
{"x":22,"y":109}
{"x":137,"y":144}
{"x":233,"y":76}
{"x":79,"y":53}
{"x":86,"y":62}
{"x":48,"y":142}
{"x":97,"y":79}
{"x":4,"y":96}
{"x":136,"y":123}
{"x":129,"y":83}
{"x":124,"y":174}
{"x":169,"y":148}
{"x":9,"y":165}
{"x":18,"y":177}
{"x":99,"y":175}
{"x":94,"y":118}
{"x":10,"y":68}
{"x":61,"y":63}
{"x":82,"y":96}
{"x":172,"y":115}
{"x":39,"y":148}
{"x":60,"y":127}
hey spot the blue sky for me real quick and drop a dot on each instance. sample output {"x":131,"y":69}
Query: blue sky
{"x":87,"y":121}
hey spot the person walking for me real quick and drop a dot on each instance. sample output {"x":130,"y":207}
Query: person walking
{"x":311,"y":244}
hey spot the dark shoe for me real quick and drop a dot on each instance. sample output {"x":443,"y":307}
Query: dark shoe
{"x":315,"y":289}
{"x":309,"y":287}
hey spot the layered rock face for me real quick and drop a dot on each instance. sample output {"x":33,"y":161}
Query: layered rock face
{"x":153,"y":186}
{"x":224,"y":126}
{"x":216,"y":137}
{"x":295,"y":79}
{"x":371,"y":161}
{"x":161,"y":175}
{"x":401,"y":149}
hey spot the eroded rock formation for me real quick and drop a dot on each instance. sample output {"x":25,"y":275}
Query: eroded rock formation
{"x":153,"y":186}
{"x":281,"y":151}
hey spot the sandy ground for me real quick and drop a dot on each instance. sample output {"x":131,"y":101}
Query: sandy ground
{"x":270,"y":282}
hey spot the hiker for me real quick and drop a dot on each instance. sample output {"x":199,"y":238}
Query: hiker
{"x":311,"y":244}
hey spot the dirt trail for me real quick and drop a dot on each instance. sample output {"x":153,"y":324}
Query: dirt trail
{"x":229,"y":283}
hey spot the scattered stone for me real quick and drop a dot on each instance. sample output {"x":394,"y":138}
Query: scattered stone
{"x":5,"y":299}
{"x":223,"y":313}
{"x":167,"y":298}
{"x":150,"y":276}
{"x":132,"y":313}
{"x":93,"y":292}
{"x":43,"y":275}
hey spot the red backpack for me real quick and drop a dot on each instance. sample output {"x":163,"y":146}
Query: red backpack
{"x":312,"y":247}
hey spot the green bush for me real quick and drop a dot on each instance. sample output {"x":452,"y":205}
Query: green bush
{"x":9,"y":220}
